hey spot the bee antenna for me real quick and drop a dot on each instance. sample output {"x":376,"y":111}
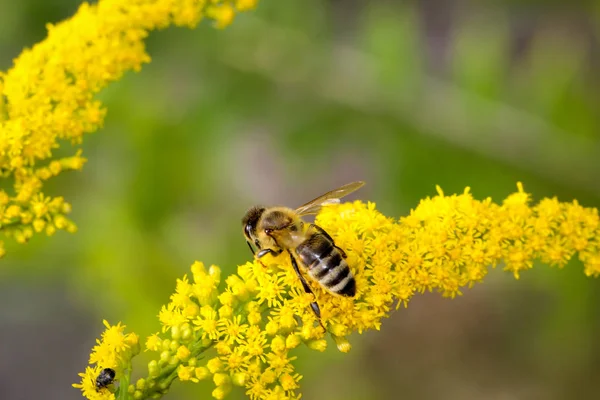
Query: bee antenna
{"x":251,"y":248}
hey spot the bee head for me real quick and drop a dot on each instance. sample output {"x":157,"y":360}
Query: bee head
{"x":250,"y":221}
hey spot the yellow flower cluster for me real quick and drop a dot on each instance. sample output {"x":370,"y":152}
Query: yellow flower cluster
{"x":247,"y":324}
{"x":253,"y":324}
{"x":115,"y":350}
{"x":48,"y":96}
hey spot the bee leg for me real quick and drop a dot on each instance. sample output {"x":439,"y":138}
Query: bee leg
{"x":254,"y":253}
{"x":264,"y":252}
{"x":324,"y":233}
{"x":314,"y":305}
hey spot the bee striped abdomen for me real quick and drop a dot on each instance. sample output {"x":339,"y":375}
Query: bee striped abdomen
{"x":326,"y":265}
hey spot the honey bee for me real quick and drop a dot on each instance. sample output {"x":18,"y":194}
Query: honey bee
{"x":276,"y":229}
{"x":105,"y":378}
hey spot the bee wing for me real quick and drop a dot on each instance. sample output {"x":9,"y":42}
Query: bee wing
{"x":331,"y":197}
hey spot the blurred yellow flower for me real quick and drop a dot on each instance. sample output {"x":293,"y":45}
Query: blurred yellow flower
{"x":47,"y":97}
{"x":256,"y":320}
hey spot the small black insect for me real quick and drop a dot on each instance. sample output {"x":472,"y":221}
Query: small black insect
{"x":105,"y":378}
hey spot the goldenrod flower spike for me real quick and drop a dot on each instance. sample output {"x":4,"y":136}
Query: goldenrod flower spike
{"x":47,"y":97}
{"x":256,"y":319}
{"x":115,"y":350}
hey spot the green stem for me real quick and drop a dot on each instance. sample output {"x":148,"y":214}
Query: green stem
{"x":124,"y":384}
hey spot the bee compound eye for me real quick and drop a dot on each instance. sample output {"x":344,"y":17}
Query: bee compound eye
{"x":268,"y":231}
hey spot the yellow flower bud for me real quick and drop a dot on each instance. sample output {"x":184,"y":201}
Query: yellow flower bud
{"x":185,"y":373}
{"x":71,"y":228}
{"x":319,"y":345}
{"x":175,"y":332}
{"x":239,"y":379}
{"x":60,"y":221}
{"x":254,"y":318}
{"x":292,"y":341}
{"x":244,"y":5}
{"x":339,"y":330}
{"x":267,"y":377}
{"x":165,"y":356}
{"x":16,"y":162}
{"x":19,"y":236}
{"x":223,"y":15}
{"x":56,"y":203}
{"x":272,"y":328}
{"x":342,"y":344}
{"x":278,"y":344}
{"x":307,"y":332}
{"x":225,"y":312}
{"x":214,"y":365}
{"x":202,"y":373}
{"x":288,"y":382}
{"x":245,"y":271}
{"x":39,"y":225}
{"x":226,"y":298}
{"x":75,"y":162}
{"x":232,"y":280}
{"x":220,"y":392}
{"x":207,"y":311}
{"x":27,"y":232}
{"x":43,"y":173}
{"x":66,"y":208}
{"x":140,"y":384}
{"x":12,"y":211}
{"x":221,"y":379}
{"x":50,"y":229}
{"x":26,"y":217}
{"x":183,"y":353}
{"x":187,"y":332}
{"x":252,"y":306}
{"x":153,"y":368}
{"x":240,"y":291}
{"x":255,"y":367}
{"x":288,"y":322}
{"x":215,"y":273}
{"x":198,"y":268}
{"x":191,"y":310}
{"x":55,"y":167}
{"x":223,"y":348}
{"x":251,"y":285}
{"x":133,"y":340}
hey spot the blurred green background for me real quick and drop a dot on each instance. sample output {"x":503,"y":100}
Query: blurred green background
{"x":288,"y":102}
